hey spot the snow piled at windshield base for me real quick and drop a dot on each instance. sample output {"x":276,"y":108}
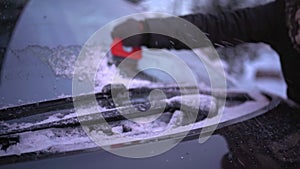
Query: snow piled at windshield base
{"x":57,"y":140}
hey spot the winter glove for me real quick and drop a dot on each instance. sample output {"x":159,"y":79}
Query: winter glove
{"x":131,"y":31}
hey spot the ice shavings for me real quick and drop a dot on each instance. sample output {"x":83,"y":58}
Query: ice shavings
{"x":11,"y":127}
{"x":127,"y":131}
{"x":30,"y":123}
{"x":176,"y":120}
{"x":196,"y":102}
{"x":62,"y":59}
{"x":50,"y":140}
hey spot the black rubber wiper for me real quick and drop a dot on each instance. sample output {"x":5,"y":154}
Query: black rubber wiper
{"x":104,"y":99}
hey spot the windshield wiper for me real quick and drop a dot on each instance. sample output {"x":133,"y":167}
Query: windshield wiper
{"x":104,"y":99}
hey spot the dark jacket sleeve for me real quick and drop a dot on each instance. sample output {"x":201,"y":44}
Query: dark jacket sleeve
{"x":227,"y":28}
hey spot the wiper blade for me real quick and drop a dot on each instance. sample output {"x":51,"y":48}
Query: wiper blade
{"x":104,"y":96}
{"x":112,"y":115}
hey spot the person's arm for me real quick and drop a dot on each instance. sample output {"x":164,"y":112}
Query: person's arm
{"x":229,"y":28}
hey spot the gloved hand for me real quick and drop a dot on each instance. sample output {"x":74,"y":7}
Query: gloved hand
{"x":132,"y":30}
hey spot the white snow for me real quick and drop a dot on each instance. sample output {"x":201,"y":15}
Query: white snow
{"x":52,"y":140}
{"x":202,"y":102}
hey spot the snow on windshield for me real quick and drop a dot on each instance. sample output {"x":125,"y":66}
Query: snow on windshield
{"x":62,"y":60}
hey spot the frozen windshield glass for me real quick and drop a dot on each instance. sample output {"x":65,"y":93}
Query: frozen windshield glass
{"x":44,"y":43}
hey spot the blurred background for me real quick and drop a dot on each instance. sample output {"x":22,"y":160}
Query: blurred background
{"x":255,"y":64}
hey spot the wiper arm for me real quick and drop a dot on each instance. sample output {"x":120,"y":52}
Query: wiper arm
{"x":104,"y":96}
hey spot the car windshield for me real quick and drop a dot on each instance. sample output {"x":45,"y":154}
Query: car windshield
{"x":45,"y":40}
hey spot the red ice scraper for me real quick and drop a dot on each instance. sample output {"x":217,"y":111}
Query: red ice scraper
{"x":117,"y":50}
